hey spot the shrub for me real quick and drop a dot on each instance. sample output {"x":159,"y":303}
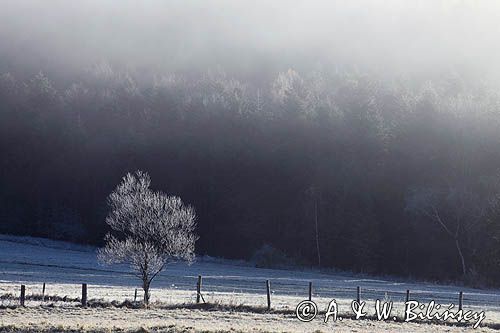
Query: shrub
{"x":269,"y":257}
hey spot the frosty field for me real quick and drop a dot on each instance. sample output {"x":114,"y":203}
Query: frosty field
{"x":63,"y":267}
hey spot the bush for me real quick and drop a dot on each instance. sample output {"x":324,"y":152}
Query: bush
{"x":269,"y":257}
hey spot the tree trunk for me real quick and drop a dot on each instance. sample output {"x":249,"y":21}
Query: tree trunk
{"x":145,"y":286}
{"x":317,"y":231}
{"x":464,"y":268}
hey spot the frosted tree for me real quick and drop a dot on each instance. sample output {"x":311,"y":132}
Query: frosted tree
{"x":149,"y":229}
{"x":289,"y":88}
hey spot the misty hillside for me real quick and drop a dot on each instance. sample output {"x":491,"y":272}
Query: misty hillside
{"x":357,"y":135}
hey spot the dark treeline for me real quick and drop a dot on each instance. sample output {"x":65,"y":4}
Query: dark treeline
{"x":327,"y":168}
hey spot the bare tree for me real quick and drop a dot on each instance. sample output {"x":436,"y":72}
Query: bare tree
{"x":150,"y":229}
{"x":456,"y":210}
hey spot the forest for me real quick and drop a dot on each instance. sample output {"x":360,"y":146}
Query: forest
{"x":330,"y":169}
{"x":360,"y":136}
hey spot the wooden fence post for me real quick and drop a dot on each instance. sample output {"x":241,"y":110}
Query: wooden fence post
{"x":84,"y":295}
{"x":268,"y":290}
{"x":23,"y":294}
{"x":135,"y":295}
{"x":460,"y":300}
{"x":406,"y":301}
{"x":198,"y":290}
{"x":310,"y":290}
{"x":358,"y":294}
{"x":43,"y":292}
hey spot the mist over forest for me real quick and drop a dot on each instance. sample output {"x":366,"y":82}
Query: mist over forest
{"x":356,"y":135}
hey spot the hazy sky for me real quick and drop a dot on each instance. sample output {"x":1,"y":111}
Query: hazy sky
{"x":389,"y":35}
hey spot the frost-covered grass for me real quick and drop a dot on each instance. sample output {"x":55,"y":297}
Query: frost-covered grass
{"x":191,"y":320}
{"x":64,"y":266}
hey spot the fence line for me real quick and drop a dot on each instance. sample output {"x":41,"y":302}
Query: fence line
{"x":368,"y":294}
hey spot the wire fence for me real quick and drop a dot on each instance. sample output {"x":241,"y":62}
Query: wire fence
{"x":281,"y":292}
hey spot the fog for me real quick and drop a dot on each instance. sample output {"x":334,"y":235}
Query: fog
{"x":247,"y":36}
{"x":337,"y":134}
